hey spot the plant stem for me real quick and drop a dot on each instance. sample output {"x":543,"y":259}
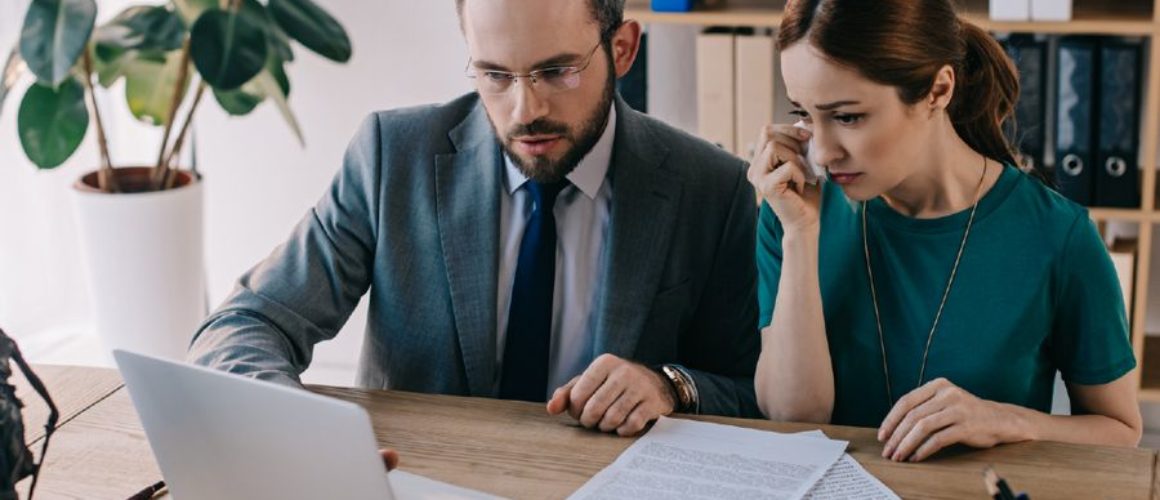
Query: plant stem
{"x":180,"y":140}
{"x":106,"y":181}
{"x":160,"y":171}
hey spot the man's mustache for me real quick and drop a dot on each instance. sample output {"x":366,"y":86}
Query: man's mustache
{"x":538,"y":127}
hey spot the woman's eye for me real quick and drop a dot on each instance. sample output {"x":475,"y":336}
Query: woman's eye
{"x":848,"y":119}
{"x":801,"y":114}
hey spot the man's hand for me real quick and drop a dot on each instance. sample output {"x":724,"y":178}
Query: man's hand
{"x":614,"y":394}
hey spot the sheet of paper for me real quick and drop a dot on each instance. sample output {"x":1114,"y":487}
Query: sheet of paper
{"x":687,"y":459}
{"x":408,"y":486}
{"x":847,"y":479}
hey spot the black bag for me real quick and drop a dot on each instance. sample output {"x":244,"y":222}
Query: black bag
{"x":15,"y":458}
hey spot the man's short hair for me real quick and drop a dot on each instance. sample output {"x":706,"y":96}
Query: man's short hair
{"x":608,"y":14}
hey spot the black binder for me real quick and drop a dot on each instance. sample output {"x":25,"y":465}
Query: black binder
{"x":1117,"y":157}
{"x":1075,"y":115}
{"x":1029,"y":130}
{"x":633,"y":86}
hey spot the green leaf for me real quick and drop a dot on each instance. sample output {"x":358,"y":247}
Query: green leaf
{"x":279,"y":43}
{"x":270,"y":86}
{"x":52,"y":122}
{"x":238,"y":102}
{"x":190,"y":10}
{"x":243,"y":100}
{"x":150,"y":85}
{"x":227,"y":48}
{"x":14,"y":67}
{"x":54,"y":34}
{"x":151,"y":28}
{"x":312,"y":27}
{"x":110,"y":63}
{"x":277,"y":70}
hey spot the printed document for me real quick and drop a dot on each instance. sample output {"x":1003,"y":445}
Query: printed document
{"x":689,"y":459}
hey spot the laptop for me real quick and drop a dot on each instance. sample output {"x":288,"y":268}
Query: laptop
{"x":223,"y":436}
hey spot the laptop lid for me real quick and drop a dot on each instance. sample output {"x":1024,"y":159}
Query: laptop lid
{"x":223,"y":436}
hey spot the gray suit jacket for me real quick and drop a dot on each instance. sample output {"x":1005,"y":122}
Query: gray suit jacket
{"x":414,"y":216}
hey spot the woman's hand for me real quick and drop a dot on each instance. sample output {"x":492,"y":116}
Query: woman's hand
{"x":778,"y":175}
{"x":940,"y":414}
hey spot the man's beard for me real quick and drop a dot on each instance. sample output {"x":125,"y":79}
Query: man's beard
{"x":543,"y":169}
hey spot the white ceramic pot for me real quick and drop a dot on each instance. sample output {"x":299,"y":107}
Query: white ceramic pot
{"x":145,"y":259}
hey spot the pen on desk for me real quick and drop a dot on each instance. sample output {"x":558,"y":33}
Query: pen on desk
{"x":996,"y":486}
{"x":149,"y":491}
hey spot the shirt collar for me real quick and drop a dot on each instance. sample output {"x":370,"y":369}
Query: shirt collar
{"x":588,"y":175}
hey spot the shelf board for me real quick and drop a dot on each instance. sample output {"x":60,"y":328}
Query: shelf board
{"x":1121,"y":214}
{"x":736,"y":13}
{"x":1121,"y":18}
{"x":1149,"y":396}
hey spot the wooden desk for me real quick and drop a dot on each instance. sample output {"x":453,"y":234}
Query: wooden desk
{"x":73,"y":390}
{"x":513,"y":449}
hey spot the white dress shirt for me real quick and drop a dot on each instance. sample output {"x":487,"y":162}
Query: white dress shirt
{"x":582,"y":213}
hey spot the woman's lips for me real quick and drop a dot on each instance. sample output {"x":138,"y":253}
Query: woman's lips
{"x":844,"y":178}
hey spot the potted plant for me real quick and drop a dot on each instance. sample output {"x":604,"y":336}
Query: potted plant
{"x":141,"y":225}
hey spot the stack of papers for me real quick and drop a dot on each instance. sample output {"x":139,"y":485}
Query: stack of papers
{"x":688,"y":459}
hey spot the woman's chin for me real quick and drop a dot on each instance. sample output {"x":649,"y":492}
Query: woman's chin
{"x":857,"y":193}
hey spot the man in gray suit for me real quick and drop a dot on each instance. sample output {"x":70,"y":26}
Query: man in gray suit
{"x":537,"y":234}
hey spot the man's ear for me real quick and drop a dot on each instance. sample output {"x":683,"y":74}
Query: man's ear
{"x":625,"y":45}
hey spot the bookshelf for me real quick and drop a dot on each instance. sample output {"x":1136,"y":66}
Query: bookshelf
{"x":1091,"y":17}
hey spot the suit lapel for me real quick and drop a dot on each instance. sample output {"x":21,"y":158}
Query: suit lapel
{"x":467,"y":190}
{"x":645,"y":197}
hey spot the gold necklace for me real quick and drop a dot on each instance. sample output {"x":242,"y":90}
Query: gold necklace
{"x":942,"y":303}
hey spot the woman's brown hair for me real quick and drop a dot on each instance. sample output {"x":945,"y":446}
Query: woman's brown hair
{"x":904,"y":43}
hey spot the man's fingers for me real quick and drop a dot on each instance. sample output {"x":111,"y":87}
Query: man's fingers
{"x":599,"y":403}
{"x":616,"y":414}
{"x":588,"y":382}
{"x":636,"y":421}
{"x":560,"y":396}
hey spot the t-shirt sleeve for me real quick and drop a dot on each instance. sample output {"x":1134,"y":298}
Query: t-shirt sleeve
{"x":1091,"y":341}
{"x":769,"y":258}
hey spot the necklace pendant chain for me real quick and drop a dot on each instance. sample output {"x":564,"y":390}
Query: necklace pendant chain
{"x":942,"y":303}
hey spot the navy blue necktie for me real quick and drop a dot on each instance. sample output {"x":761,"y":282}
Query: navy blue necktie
{"x":529,"y":328}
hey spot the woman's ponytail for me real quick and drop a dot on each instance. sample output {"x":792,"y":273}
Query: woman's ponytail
{"x":985,"y":98}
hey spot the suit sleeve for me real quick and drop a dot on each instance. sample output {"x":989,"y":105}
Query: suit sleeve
{"x":304,"y":291}
{"x":720,"y":353}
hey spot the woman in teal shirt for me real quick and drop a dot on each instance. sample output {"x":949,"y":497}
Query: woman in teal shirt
{"x":931,"y":288}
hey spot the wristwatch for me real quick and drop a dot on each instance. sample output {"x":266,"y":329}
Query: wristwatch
{"x":684,"y":389}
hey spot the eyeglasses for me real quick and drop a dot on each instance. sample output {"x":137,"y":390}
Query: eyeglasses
{"x":554,"y":79}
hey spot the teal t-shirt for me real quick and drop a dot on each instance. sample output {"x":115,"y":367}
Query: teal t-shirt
{"x":1036,"y":292}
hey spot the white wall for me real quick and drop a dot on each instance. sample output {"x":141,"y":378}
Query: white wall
{"x":259,"y":181}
